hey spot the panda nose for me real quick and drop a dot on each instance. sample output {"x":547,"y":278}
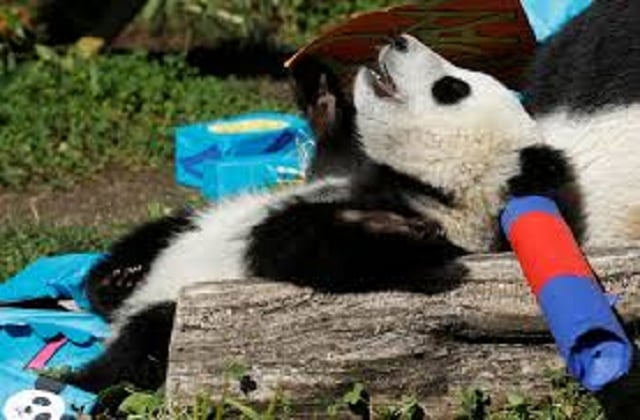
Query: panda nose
{"x":400,"y":43}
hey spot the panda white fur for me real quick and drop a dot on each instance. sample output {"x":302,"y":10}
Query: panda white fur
{"x":444,"y":149}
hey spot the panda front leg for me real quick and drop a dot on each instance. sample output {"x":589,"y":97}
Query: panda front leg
{"x":137,"y":354}
{"x":343,"y":247}
{"x":548,"y":172}
{"x":112,"y":280}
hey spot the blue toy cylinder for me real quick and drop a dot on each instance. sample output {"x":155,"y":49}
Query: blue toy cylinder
{"x":586,"y":330}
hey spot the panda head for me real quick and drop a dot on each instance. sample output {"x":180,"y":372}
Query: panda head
{"x":441,"y":124}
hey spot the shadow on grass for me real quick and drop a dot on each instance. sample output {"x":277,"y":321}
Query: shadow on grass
{"x":241,"y":59}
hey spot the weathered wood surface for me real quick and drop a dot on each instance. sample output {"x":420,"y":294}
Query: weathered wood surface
{"x":487,"y":332}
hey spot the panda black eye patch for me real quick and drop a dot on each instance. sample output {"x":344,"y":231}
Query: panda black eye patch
{"x":450,"y":90}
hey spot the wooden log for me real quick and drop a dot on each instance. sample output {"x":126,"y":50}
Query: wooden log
{"x":487,"y":333}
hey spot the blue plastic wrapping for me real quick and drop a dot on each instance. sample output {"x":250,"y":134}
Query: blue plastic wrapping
{"x":34,"y":339}
{"x":546,"y":17}
{"x":227,"y":178}
{"x":24,"y":332}
{"x":242,"y":153}
{"x":55,"y":278}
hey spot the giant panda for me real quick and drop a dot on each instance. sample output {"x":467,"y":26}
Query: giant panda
{"x":584,"y":92}
{"x":445,"y":147}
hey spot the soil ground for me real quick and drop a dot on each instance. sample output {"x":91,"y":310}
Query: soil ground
{"x":117,"y":195}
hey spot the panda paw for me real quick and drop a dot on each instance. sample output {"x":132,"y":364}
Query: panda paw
{"x":391,"y":223}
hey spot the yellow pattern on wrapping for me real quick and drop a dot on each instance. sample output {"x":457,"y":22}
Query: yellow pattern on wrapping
{"x":247,"y":126}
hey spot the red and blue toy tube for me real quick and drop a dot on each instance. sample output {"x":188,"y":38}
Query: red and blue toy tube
{"x":588,"y":334}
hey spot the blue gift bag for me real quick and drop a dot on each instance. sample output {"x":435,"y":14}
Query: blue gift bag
{"x":36,"y":340}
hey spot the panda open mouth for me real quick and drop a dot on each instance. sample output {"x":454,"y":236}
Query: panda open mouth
{"x":381,"y":80}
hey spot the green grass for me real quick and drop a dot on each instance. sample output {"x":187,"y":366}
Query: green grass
{"x":60,"y":123}
{"x":20,"y":245}
{"x":564,"y":401}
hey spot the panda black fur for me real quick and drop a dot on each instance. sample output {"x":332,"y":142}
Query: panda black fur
{"x":444,"y":149}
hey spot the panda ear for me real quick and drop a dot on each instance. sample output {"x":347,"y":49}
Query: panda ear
{"x":322,"y":113}
{"x":323,"y":85}
{"x":313,"y":79}
{"x":50,"y":385}
{"x":322,"y":97}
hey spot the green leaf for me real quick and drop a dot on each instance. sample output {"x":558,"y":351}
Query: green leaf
{"x":354,"y":396}
{"x":45,"y":53}
{"x":152,"y":9}
{"x":141,"y":403}
{"x":515,"y":400}
{"x":236,"y":369}
{"x":246,"y":411}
